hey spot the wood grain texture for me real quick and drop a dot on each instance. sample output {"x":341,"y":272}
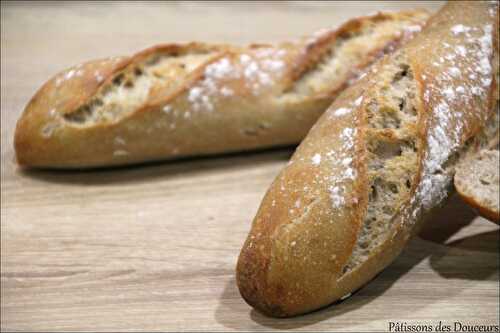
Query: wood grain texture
{"x":154,"y":247}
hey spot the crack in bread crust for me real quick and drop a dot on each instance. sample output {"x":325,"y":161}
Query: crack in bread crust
{"x":130,"y":88}
{"x":392,"y":146}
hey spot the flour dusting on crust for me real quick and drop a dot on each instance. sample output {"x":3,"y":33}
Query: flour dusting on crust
{"x":257,"y":70}
{"x":445,"y":134}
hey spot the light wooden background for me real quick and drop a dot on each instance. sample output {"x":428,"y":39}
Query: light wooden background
{"x":154,"y":247}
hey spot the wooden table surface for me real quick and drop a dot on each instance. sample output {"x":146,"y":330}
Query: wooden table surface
{"x":154,"y":247}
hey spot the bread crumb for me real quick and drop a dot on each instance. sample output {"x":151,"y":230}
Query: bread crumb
{"x":350,"y":173}
{"x":245,"y":59}
{"x":454,"y":71}
{"x":69,"y":74}
{"x":476,"y":91}
{"x":341,"y":112}
{"x":346,"y":161}
{"x":449,"y":93}
{"x":316,"y":159}
{"x":273,"y":65}
{"x":358,"y":101}
{"x":225,"y":91}
{"x":461,"y":50}
{"x":119,"y":140}
{"x":345,"y":296}
{"x":194,"y":94}
{"x":337,"y":197}
{"x":413,"y":28}
{"x":48,"y":130}
{"x":98,"y":76}
{"x":120,"y":152}
{"x":251,"y":70}
{"x":167,"y":108}
{"x":219,"y":69}
{"x":459,"y":28}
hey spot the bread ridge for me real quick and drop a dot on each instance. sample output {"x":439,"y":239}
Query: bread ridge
{"x":171,"y":118}
{"x":299,"y":254}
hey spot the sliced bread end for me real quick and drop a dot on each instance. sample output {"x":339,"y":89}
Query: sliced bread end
{"x":478,"y":183}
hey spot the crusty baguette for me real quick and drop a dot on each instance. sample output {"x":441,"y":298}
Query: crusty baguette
{"x":477,"y":182}
{"x":374,"y":165}
{"x":172,"y":101}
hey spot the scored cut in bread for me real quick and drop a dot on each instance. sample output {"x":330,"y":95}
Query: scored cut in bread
{"x":374,"y":166}
{"x":173,"y":101}
{"x":478,"y":183}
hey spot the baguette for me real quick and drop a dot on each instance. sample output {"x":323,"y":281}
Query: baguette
{"x":173,"y":101}
{"x":374,"y":165}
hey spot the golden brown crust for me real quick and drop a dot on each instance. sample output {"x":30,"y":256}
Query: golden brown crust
{"x":296,"y":257}
{"x":52,"y":134}
{"x":484,"y":211}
